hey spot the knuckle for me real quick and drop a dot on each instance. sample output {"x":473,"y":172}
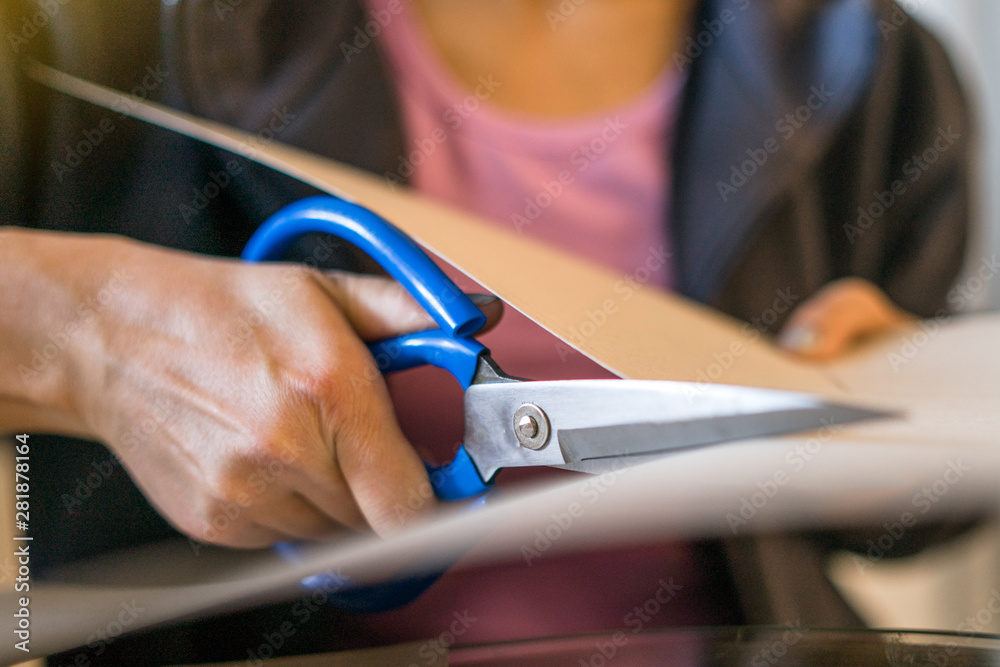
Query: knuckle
{"x":222,"y":518}
{"x":204,"y":532}
{"x":347,"y":380}
{"x":277,"y":450}
{"x":227,"y":486}
{"x":270,"y":463}
{"x":212,"y":526}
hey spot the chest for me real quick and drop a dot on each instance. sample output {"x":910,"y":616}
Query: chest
{"x":557,"y":59}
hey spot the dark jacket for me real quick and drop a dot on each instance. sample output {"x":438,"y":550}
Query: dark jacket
{"x":817,"y":139}
{"x":870,"y":97}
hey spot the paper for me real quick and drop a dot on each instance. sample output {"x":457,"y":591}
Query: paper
{"x":838,"y":476}
{"x":696,"y":494}
{"x":647,"y":333}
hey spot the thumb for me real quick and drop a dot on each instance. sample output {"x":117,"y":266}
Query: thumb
{"x":379,"y":307}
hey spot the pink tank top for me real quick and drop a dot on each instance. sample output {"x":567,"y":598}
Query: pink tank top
{"x":596,"y":186}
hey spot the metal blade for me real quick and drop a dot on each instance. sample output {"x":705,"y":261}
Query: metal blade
{"x":589,"y":420}
{"x":590,"y":445}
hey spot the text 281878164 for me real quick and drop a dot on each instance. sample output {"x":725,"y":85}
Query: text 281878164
{"x":22,"y":542}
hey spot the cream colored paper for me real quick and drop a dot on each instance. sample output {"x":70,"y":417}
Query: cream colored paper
{"x":859,"y":474}
{"x":646,"y":332}
{"x":691,"y":494}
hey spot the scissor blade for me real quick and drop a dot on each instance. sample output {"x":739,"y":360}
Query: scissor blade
{"x":585,"y":445}
{"x":590,"y":420}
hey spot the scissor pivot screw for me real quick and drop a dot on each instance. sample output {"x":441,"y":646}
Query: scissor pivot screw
{"x":531,"y":426}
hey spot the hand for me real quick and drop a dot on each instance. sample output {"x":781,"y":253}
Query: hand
{"x":241,"y":398}
{"x":838,"y":317}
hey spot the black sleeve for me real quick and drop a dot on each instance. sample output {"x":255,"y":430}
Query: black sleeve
{"x":15,"y":129}
{"x":299,"y":72}
{"x":887,"y":201}
{"x":72,"y":166}
{"x":909,"y":228}
{"x":908,"y":231}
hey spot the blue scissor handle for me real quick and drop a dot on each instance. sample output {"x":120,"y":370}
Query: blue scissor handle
{"x":392,"y":249}
{"x":458,"y":356}
{"x":451,"y":347}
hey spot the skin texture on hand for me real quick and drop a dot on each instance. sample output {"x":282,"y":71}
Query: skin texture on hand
{"x":241,"y":397}
{"x":838,"y":317}
{"x":263,"y":403}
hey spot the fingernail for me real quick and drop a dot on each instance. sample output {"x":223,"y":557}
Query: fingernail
{"x":483,"y":299}
{"x":798,"y":338}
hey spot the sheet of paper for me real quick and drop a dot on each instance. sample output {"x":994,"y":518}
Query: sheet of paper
{"x":643,"y":332}
{"x":946,"y":359}
{"x":859,"y":474}
{"x":830,"y":482}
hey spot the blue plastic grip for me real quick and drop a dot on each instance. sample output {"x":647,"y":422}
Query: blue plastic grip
{"x":383,"y":242}
{"x":458,"y":480}
{"x":458,"y":356}
{"x":450,"y":347}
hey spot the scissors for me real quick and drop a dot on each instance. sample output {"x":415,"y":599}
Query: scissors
{"x":590,"y":426}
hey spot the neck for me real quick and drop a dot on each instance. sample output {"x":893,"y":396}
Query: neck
{"x":557,"y":59}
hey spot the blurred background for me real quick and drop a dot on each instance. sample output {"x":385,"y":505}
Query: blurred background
{"x":968,"y":29}
{"x":944,"y":588}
